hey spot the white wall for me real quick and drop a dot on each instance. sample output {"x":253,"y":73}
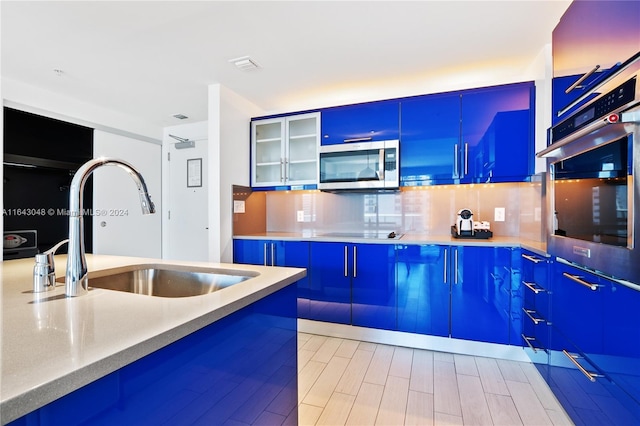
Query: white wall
{"x":541,"y":71}
{"x":124,"y":230}
{"x":229,"y":118}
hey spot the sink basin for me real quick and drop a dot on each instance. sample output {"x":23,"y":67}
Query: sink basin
{"x":167,"y":280}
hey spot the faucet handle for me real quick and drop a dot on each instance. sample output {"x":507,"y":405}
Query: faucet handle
{"x":44,"y":272}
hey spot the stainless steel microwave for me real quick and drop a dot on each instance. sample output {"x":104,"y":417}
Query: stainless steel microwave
{"x":359,"y":166}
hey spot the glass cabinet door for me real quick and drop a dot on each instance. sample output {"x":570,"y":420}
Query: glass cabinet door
{"x":303,"y":133}
{"x":268,"y":152}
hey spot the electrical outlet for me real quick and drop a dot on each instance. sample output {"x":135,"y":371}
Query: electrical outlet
{"x":498,"y":215}
{"x":300,"y":215}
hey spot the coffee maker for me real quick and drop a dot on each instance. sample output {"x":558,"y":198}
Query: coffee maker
{"x":464,"y":223}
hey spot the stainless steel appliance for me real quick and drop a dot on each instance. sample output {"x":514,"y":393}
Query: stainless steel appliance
{"x":593,"y":198}
{"x":363,"y":166}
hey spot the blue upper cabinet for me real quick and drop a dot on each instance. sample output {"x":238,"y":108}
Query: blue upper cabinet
{"x":374,"y":121}
{"x":475,"y":136}
{"x":430,"y":140}
{"x":591,"y":41}
{"x":497,"y":141}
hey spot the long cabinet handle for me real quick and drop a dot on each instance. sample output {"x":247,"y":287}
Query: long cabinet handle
{"x":456,"y":172}
{"x":578,"y":279}
{"x":529,"y":313}
{"x":355,"y":266}
{"x":281,"y":170}
{"x":534,"y":287}
{"x":581,"y":79}
{"x":466,"y":159}
{"x":573,"y":358}
{"x":528,"y":341}
{"x":455,"y":266}
{"x":346,"y":273}
{"x":532,"y":258}
{"x":265,"y":254}
{"x":273,"y":254}
{"x":445,"y":266}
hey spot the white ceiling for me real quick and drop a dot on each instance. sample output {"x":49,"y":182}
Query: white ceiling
{"x":150,"y":59}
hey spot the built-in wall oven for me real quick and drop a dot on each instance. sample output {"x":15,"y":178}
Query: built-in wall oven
{"x":593,"y":198}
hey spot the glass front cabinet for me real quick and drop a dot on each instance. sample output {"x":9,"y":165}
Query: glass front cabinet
{"x":284,"y":150}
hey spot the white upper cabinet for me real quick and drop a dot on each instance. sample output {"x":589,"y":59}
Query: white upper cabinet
{"x":284,"y":150}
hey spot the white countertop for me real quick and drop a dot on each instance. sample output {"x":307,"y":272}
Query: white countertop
{"x":52,"y":345}
{"x":408,"y":238}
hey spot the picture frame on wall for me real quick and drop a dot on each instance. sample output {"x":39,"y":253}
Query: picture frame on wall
{"x":194,"y":172}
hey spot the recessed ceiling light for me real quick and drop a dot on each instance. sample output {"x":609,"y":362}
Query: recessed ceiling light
{"x":180,"y":116}
{"x":58,"y":72}
{"x":245,"y":63}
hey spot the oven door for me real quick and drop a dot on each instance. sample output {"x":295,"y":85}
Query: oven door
{"x":592,"y":199}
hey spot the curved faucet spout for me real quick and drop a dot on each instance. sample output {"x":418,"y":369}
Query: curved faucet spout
{"x":76,"y":283}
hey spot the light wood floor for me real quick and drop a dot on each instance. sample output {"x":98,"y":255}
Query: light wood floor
{"x":347,"y":382}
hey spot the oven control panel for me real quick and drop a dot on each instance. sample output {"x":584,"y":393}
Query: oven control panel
{"x":618,"y":97}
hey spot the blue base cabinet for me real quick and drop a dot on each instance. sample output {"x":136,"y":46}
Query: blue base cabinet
{"x":330,"y":286}
{"x":423,"y":290}
{"x":277,"y":253}
{"x":373,"y":300}
{"x":464,"y":292}
{"x":480,"y":280}
{"x":593,"y":365}
{"x":353,"y":284}
{"x":241,"y":369}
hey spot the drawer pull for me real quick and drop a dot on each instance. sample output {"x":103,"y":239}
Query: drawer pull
{"x":535,"y":319}
{"x":528,"y":340}
{"x":579,"y":280}
{"x":534,"y":287}
{"x":573,"y":358}
{"x":532,"y":258}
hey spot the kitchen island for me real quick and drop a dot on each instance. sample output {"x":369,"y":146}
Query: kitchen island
{"x":112,"y":352}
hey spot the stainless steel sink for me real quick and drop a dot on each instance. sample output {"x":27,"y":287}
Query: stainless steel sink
{"x":167,"y":280}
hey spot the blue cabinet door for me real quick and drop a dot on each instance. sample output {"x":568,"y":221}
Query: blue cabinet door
{"x":423,"y":289}
{"x":479,"y":305}
{"x":374,"y":121}
{"x":430,"y":142}
{"x":330,"y":285}
{"x":251,"y":252}
{"x":497,"y":134}
{"x":278,"y":253}
{"x":295,"y":254}
{"x":373,"y":285}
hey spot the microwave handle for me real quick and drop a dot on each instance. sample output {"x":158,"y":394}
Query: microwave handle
{"x":381,"y":164}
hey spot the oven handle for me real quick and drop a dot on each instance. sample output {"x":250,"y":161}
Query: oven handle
{"x":381,"y":164}
{"x":577,"y":84}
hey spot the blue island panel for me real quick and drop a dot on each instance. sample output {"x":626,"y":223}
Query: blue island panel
{"x":241,"y":369}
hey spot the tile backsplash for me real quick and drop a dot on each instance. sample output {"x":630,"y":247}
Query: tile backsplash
{"x":426,"y":210}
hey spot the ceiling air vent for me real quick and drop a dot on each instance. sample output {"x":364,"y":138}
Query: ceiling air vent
{"x":180,"y":116}
{"x":245,"y":63}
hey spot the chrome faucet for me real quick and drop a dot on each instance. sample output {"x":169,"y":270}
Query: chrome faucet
{"x":44,"y":273}
{"x":76,"y":283}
